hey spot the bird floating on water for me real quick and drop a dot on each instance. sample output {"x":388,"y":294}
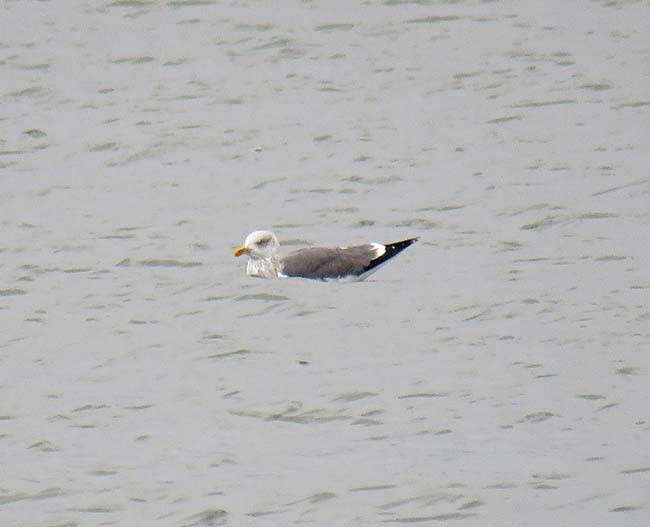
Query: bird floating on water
{"x":319,"y":263}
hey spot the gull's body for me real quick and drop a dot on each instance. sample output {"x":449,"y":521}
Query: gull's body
{"x":318,"y":263}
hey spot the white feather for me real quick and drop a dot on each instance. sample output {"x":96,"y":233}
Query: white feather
{"x":380,"y":249}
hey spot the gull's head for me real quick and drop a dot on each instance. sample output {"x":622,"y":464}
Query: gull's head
{"x":259,"y":245}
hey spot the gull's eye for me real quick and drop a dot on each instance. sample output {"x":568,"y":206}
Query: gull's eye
{"x":263,"y":242}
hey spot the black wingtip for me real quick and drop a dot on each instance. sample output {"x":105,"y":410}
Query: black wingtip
{"x":397,"y":247}
{"x":392,"y":249}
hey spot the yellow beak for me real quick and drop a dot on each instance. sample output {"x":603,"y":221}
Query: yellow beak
{"x":240,"y":250}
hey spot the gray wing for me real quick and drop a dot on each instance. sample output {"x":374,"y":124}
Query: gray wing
{"x":323,"y":262}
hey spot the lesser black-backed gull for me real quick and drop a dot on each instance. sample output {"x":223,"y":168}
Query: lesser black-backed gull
{"x":319,"y":263}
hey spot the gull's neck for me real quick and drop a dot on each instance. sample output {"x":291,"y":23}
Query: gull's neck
{"x":264,"y":267}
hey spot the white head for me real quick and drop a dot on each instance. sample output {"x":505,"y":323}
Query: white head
{"x":259,"y":245}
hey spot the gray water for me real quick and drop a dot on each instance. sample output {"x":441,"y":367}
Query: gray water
{"x":496,"y":373}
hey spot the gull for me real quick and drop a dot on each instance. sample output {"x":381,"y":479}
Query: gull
{"x":318,"y":263}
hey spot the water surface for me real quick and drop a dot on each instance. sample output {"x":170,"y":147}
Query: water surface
{"x":493,"y":374}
